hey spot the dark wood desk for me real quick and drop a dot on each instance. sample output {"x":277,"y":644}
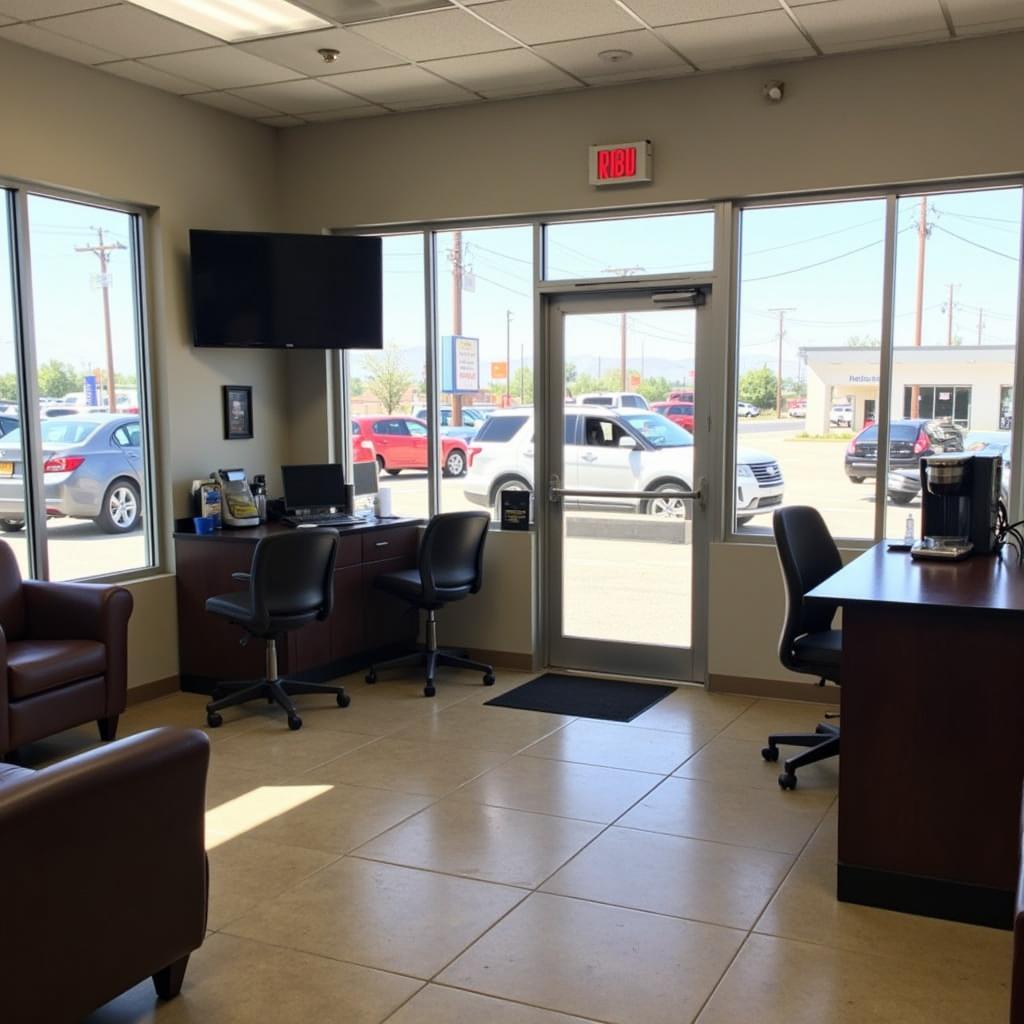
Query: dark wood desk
{"x":933,"y":733}
{"x":364,"y":624}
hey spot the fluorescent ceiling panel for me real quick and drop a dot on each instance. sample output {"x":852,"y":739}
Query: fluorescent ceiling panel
{"x":350,"y":11}
{"x":234,"y":20}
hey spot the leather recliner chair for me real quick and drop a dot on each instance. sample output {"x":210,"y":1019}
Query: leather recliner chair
{"x":105,"y":876}
{"x":63,"y":655}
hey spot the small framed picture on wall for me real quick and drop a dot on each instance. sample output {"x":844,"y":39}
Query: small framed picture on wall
{"x":237,"y":412}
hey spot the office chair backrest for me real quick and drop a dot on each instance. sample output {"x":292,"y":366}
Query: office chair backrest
{"x":451,"y":559}
{"x":292,"y":575}
{"x":808,"y":555}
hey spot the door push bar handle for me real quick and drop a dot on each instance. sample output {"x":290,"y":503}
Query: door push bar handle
{"x":558,"y":493}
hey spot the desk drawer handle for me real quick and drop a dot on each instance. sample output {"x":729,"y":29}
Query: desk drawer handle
{"x":382,"y":544}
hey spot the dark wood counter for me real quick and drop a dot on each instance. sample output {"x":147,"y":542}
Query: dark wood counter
{"x":932,"y":708}
{"x":365,"y":623}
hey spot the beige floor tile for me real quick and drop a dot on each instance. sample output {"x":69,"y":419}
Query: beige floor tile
{"x":806,"y":909}
{"x":619,"y":746}
{"x":693,"y":709}
{"x":711,"y":882}
{"x":273,"y":743}
{"x":495,"y":844}
{"x":762,"y":818}
{"x":452,"y":687}
{"x":234,"y":981}
{"x":475,"y":725}
{"x":58,"y":748}
{"x":782,"y":716}
{"x":429,"y":768}
{"x":394,"y":918}
{"x":365,"y":715}
{"x":564,"y":788}
{"x":435,"y":1004}
{"x":739,"y":763}
{"x":246,"y":872}
{"x":615,"y":965}
{"x":779,"y":982}
{"x":187,"y":711}
{"x":225,"y":782}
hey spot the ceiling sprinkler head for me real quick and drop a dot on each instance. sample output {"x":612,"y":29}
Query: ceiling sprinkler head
{"x":773,"y":91}
{"x":329,"y":55}
{"x":615,"y":56}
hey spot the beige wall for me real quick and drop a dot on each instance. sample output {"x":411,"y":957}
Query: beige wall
{"x":69,"y":126}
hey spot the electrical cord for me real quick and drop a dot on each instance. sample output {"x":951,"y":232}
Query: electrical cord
{"x":1009,"y":533}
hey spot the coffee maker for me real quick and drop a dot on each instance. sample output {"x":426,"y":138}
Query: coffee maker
{"x":959,"y":506}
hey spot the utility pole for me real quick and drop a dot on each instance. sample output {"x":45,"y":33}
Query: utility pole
{"x":508,"y":357}
{"x":101,"y":249}
{"x":456,"y":258}
{"x":522,"y":374}
{"x":949,"y":319}
{"x":782,"y":311}
{"x":622,"y":272}
{"x":922,"y":237}
{"x":981,"y":323}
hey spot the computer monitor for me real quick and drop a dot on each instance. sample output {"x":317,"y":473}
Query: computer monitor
{"x":364,"y":478}
{"x":313,"y":487}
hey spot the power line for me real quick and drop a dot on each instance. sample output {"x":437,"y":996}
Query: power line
{"x":819,"y":263}
{"x":977,"y":245}
{"x":814,"y":238}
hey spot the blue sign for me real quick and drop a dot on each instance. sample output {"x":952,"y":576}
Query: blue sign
{"x":460,"y":365}
{"x":91,"y":394}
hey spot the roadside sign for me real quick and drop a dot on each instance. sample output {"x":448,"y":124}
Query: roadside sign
{"x":499,"y":371}
{"x":460,"y":364}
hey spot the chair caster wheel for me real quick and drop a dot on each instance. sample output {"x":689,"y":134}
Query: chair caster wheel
{"x":787,"y":780}
{"x":371,"y":676}
{"x":428,"y":690}
{"x":770,"y":753}
{"x":344,"y":700}
{"x":294,"y":722}
{"x":213,"y":719}
{"x":489,"y":679}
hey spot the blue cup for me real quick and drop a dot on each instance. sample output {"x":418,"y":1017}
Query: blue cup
{"x":203,"y":524}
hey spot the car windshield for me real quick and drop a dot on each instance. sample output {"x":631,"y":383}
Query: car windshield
{"x":661,"y":432}
{"x":62,"y":430}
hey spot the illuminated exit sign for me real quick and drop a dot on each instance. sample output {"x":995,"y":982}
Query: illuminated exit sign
{"x":621,"y":163}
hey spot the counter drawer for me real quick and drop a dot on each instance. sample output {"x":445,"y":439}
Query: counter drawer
{"x":399,"y":542}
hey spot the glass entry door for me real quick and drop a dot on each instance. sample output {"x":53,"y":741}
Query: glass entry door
{"x":625,"y":522}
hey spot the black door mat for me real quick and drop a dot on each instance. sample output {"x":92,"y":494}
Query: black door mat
{"x":584,"y":697}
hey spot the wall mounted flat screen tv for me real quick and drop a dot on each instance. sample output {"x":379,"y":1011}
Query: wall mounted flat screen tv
{"x":255,"y":290}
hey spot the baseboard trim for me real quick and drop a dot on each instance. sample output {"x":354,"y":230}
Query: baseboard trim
{"x":779,"y":689}
{"x":153,"y":689}
{"x":504,"y":659}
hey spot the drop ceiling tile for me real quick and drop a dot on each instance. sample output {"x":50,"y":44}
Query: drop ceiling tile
{"x":436,"y":35}
{"x":4,"y":20}
{"x":674,"y":12}
{"x":305,"y":96}
{"x":60,"y":46}
{"x":625,"y":77}
{"x":233,"y":104}
{"x":517,"y":93}
{"x":970,"y":16}
{"x":540,"y":21}
{"x":222,"y":67}
{"x":845,"y":23}
{"x":129,"y":31}
{"x":580,"y":56}
{"x":349,"y":11}
{"x":281,"y":121}
{"x":26,"y":10}
{"x":426,"y":104}
{"x":300,"y":52}
{"x":744,"y":39}
{"x":146,"y":75}
{"x":348,"y":114}
{"x":506,"y":70}
{"x":405,"y":84}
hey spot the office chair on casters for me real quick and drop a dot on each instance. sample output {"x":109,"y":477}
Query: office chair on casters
{"x":451,"y":565}
{"x":808,"y":643}
{"x":291,"y":583}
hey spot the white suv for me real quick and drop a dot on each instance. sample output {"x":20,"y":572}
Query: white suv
{"x":615,"y":399}
{"x":613,"y":449}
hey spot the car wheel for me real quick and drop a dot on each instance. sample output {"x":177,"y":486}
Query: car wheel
{"x":12,"y":525}
{"x":743,"y":520}
{"x":669,"y":508}
{"x":455,"y":463}
{"x":856,"y":479}
{"x":512,"y":484}
{"x":381,"y":468}
{"x":121,"y":511}
{"x":901,"y":498}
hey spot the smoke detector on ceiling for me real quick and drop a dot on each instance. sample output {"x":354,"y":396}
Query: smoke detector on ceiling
{"x":773,"y":91}
{"x":329,"y":55}
{"x":615,"y":56}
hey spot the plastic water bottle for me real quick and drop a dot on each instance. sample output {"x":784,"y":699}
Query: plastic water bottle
{"x":908,"y":531}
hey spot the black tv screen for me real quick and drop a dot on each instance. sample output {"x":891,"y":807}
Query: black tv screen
{"x":255,"y":290}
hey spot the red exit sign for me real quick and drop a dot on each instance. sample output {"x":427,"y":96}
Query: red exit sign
{"x":621,"y":163}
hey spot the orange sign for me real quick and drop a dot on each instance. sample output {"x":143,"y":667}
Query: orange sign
{"x":499,"y":371}
{"x":634,"y":380}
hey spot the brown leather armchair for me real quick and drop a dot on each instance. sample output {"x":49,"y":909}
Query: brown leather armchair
{"x":63,"y":655}
{"x":105,"y":878}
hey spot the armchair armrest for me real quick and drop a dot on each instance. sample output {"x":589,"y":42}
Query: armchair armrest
{"x":75,"y":611}
{"x":105,"y":856}
{"x":241,"y":577}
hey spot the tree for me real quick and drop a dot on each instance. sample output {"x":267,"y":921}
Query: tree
{"x":794,"y":388}
{"x":655,"y":389}
{"x":865,"y":341}
{"x":8,"y":387}
{"x":388,"y":380}
{"x":57,"y":379}
{"x":521,"y":385}
{"x":758,"y":388}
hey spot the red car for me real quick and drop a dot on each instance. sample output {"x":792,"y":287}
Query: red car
{"x":362,"y":449}
{"x":400,"y":442}
{"x":677,"y":412}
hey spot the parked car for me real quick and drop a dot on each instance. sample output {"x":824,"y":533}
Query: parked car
{"x":400,"y":442}
{"x":615,"y":449}
{"x":92,"y":469}
{"x":362,"y":449}
{"x":904,"y":485}
{"x":7,"y":424}
{"x":614,"y":399}
{"x":472,"y":417}
{"x":841,"y":415}
{"x":797,"y":410}
{"x":677,"y":412}
{"x":908,"y":441}
{"x":747,"y":409}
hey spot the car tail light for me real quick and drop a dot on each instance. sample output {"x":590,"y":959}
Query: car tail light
{"x":63,"y":463}
{"x":921,"y":444}
{"x":473,"y":452}
{"x":851,"y":448}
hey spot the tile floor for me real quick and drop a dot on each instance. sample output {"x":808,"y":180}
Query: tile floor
{"x":442,"y":862}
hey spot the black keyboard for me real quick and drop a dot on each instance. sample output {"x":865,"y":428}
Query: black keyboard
{"x":324,"y":519}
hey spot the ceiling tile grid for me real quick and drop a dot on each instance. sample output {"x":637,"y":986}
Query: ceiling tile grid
{"x":394,"y":55}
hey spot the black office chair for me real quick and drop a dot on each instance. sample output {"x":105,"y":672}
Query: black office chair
{"x":808,"y":643}
{"x":451,"y":567}
{"x":291,"y":583}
